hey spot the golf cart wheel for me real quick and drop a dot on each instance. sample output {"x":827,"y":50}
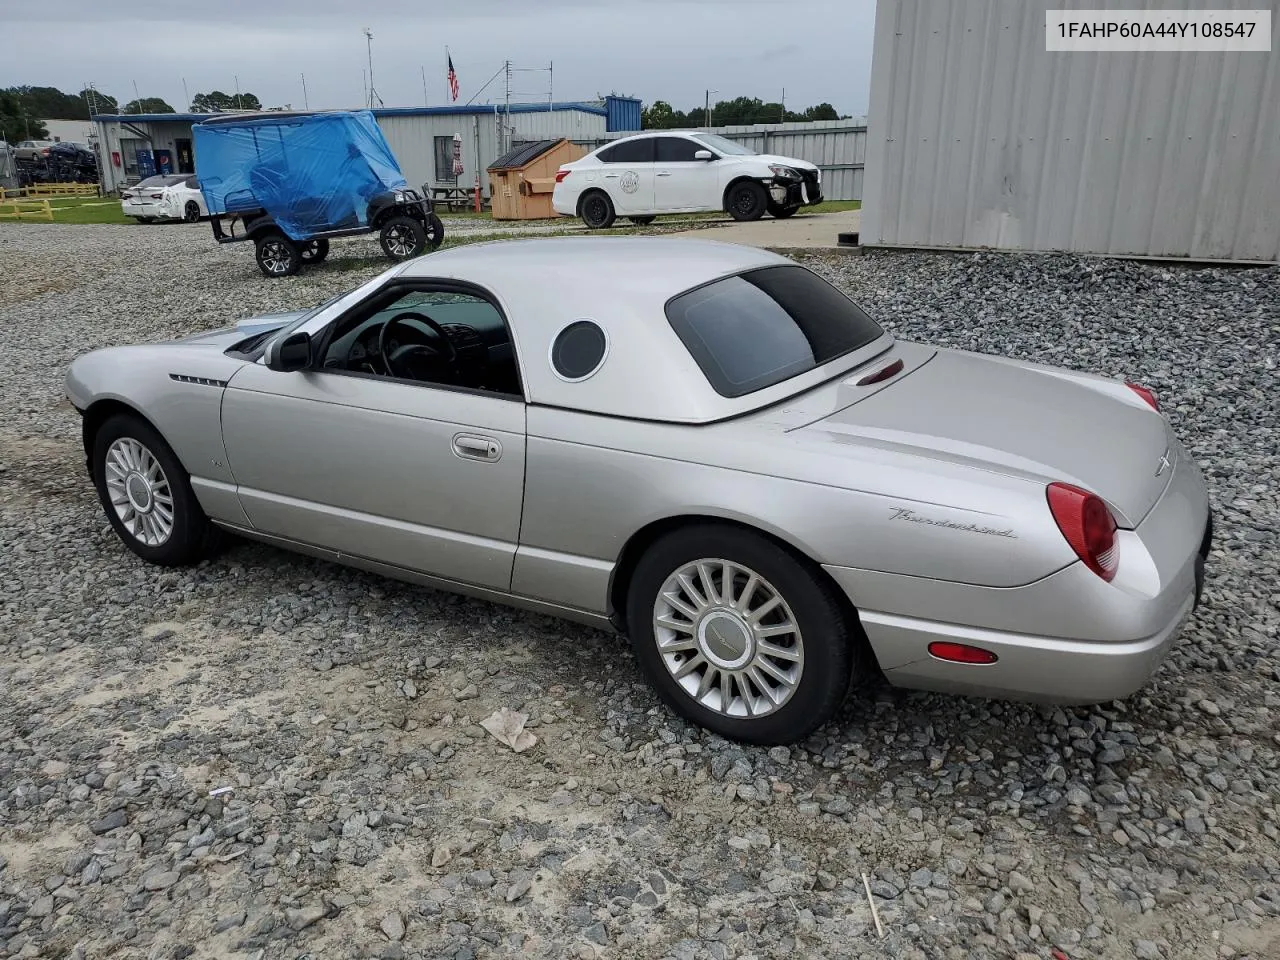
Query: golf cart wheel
{"x":313,"y":251}
{"x":747,"y":201}
{"x":403,"y":238}
{"x":642,"y":221}
{"x":597,"y":211}
{"x":435,"y":231}
{"x":191,"y":212}
{"x":278,"y":256}
{"x":781,"y":213}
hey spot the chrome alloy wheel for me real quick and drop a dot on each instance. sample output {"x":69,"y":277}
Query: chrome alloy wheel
{"x":276,"y":256}
{"x":400,"y":241}
{"x":139,"y":492}
{"x":728,"y":638}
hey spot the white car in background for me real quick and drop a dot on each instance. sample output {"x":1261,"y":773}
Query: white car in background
{"x":678,"y":171}
{"x":168,"y":196}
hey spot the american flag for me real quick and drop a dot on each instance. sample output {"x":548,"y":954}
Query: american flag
{"x":453,"y":79}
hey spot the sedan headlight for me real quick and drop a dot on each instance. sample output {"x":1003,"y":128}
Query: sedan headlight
{"x":784,"y":173}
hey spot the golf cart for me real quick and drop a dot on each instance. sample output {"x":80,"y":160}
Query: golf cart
{"x":293,"y":180}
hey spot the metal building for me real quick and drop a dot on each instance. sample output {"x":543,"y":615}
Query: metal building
{"x":422,"y":138}
{"x":980,"y":137}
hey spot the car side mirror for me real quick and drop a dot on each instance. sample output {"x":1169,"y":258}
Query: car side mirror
{"x":291,"y":353}
{"x":704,"y":155}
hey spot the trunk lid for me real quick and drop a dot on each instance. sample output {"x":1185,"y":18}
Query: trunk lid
{"x":1020,"y":420}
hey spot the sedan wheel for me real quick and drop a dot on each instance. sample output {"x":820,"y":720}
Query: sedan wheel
{"x":740,"y":636}
{"x":146,"y":493}
{"x":728,"y":638}
{"x":747,"y":201}
{"x":597,"y":211}
{"x":191,"y":212}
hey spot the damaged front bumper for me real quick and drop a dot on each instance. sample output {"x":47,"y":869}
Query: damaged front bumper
{"x":791,"y":187}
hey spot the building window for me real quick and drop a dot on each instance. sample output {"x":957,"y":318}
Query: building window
{"x":444,"y":160}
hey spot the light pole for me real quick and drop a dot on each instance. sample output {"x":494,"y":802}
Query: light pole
{"x":706,"y":110}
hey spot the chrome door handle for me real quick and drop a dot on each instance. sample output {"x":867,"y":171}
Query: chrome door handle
{"x":476,"y":448}
{"x":664,"y":174}
{"x":611,"y":176}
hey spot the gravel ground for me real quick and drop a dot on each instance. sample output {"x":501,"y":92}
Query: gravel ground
{"x":370,"y":815}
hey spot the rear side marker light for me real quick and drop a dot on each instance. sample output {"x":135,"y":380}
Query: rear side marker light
{"x":1146,"y":394}
{"x":561,"y":174}
{"x":960,"y":653}
{"x":892,"y":370}
{"x":1088,"y":527}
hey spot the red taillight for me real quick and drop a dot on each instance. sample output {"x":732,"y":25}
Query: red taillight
{"x":960,"y":653}
{"x":892,"y":370}
{"x":1088,"y":526}
{"x":561,"y":174}
{"x":1145,"y":394}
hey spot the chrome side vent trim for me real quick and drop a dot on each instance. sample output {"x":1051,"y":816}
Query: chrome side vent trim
{"x":202,"y":381}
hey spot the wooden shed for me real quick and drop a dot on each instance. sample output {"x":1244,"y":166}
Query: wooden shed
{"x":521,"y":180}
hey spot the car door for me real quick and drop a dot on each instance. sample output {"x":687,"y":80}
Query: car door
{"x":421,"y":475}
{"x":681,"y":181}
{"x":627,"y":175}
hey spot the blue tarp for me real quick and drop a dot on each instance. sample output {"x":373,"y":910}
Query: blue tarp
{"x":310,"y":173}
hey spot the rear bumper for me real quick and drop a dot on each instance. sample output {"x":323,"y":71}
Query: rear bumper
{"x":1068,"y":638}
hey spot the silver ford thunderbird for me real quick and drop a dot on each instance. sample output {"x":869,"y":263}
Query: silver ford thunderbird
{"x":705,"y":446}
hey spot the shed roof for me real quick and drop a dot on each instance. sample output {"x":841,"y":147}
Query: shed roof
{"x":524,"y":154}
{"x":446,"y":111}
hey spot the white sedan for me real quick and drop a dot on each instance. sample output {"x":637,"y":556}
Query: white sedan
{"x":169,"y":196}
{"x":677,"y":171}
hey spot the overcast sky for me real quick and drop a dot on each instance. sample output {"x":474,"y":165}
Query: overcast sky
{"x":673,"y":50}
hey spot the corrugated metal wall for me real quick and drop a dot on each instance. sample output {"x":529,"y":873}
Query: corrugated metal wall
{"x":624,"y":113}
{"x":837,"y":147}
{"x":985,"y":139}
{"x":412,"y":139}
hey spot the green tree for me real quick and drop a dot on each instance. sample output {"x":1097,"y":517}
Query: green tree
{"x":658,"y":116}
{"x":15,"y":123}
{"x":823,"y":111}
{"x":49,"y":103}
{"x":148,"y":105}
{"x":215,"y":101}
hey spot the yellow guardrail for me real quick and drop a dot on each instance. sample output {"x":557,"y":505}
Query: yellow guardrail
{"x":26,"y":210}
{"x":56,"y":190}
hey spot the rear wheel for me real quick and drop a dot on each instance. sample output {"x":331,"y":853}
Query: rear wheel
{"x":147,"y":494}
{"x":403,"y":238}
{"x":747,"y":200}
{"x":739,"y":636}
{"x":597,"y":210}
{"x":313,"y":251}
{"x":278,"y":256}
{"x":191,"y":212}
{"x":781,"y":212}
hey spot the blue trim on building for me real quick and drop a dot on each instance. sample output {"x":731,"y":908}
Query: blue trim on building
{"x":450,"y":111}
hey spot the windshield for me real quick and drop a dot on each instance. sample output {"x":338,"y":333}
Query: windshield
{"x":756,"y":329}
{"x":725,"y":146}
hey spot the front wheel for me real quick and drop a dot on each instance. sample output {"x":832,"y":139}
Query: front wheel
{"x":747,"y":201}
{"x":278,"y":256}
{"x":738,"y":636}
{"x":403,"y":238}
{"x":147,"y":494}
{"x":597,"y":210}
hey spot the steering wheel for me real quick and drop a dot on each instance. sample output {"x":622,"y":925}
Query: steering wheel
{"x":449,"y":355}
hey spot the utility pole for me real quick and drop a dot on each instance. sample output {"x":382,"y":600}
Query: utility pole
{"x":305,"y":104}
{"x":137,"y":98}
{"x":425,"y":101}
{"x":783,"y":117}
{"x":185,"y":95}
{"x":706,"y":112}
{"x":507,"y":121}
{"x":239,"y":100}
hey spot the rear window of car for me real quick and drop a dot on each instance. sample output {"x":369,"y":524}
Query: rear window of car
{"x":639,"y":150}
{"x":164,"y":180}
{"x":756,"y":329}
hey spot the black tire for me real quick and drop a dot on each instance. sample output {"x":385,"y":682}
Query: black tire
{"x":314,"y":251}
{"x":434,"y":229}
{"x":403,"y":237}
{"x":145,"y":219}
{"x":781,"y":213}
{"x":831,"y":646}
{"x":747,"y":200}
{"x":192,"y":536}
{"x":642,"y":221}
{"x":277,"y":255}
{"x":596,"y":210}
{"x":191,"y":212}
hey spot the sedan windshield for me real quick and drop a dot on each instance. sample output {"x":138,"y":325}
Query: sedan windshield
{"x":725,"y":145}
{"x":759,"y":328}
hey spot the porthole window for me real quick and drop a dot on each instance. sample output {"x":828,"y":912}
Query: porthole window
{"x":578,"y":350}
